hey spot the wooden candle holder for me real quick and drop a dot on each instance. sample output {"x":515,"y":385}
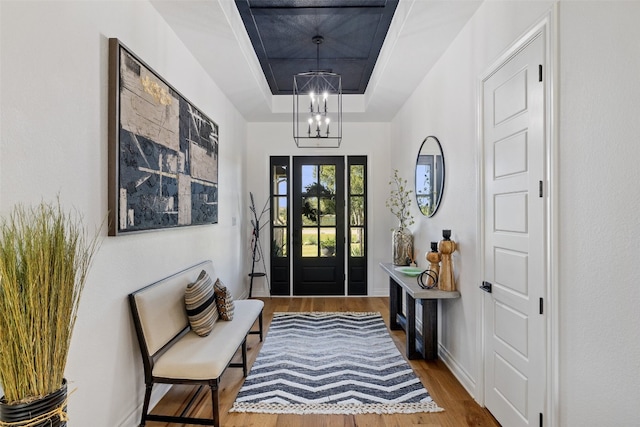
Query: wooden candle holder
{"x":434,"y":263}
{"x":446,"y":247}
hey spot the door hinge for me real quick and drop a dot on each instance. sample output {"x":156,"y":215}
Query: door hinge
{"x":486,"y":286}
{"x":540,"y":187}
{"x":540,"y":419}
{"x":541,"y":305}
{"x":540,"y":72}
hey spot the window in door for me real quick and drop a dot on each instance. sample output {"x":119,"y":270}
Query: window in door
{"x":357,"y":225}
{"x":279,"y":189}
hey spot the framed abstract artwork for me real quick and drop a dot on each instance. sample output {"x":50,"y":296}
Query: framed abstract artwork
{"x":163,"y":151}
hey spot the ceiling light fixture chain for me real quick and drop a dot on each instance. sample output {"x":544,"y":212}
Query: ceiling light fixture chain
{"x":318,"y":41}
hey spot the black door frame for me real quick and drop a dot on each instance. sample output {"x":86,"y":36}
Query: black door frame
{"x":354,"y":228}
{"x":318,"y":275}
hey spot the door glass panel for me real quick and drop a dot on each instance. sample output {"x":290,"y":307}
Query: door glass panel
{"x":328,"y":211}
{"x":309,"y":242}
{"x":309,"y":211}
{"x":309,"y":178}
{"x":356,"y":211}
{"x":328,"y":178}
{"x":279,"y":210}
{"x":356,"y":242}
{"x":279,"y":179}
{"x":328,"y":242}
{"x":356,"y":177}
{"x":279,"y":243}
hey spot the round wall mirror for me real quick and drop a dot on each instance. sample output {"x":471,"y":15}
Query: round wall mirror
{"x":429,"y":176}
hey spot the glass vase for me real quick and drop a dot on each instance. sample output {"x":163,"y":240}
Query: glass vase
{"x":402,"y":246}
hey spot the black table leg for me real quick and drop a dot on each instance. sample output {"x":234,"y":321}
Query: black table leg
{"x":395,"y":301}
{"x":411,"y":329}
{"x":429,"y":329}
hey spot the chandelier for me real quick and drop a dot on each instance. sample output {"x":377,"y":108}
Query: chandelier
{"x":317,"y":106}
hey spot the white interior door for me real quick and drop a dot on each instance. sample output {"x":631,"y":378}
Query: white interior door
{"x":514,"y":236}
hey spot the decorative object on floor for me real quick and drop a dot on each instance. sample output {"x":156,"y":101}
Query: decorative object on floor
{"x":47,"y":411}
{"x":317,"y":106}
{"x":434,"y":259}
{"x":256,"y":247}
{"x":331,"y":363}
{"x":446,"y":248}
{"x":163,"y":151}
{"x":399,"y":203}
{"x":429,"y":176}
{"x":45,"y":255}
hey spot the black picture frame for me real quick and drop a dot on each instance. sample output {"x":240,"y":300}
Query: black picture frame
{"x":163,"y":151}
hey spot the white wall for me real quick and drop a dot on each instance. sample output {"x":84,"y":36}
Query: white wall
{"x":369,"y":139}
{"x":599,"y":204}
{"x":54,"y":140}
{"x":598,"y":194}
{"x":445,"y":105}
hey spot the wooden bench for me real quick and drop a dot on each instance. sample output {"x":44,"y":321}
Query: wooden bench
{"x":173,"y":354}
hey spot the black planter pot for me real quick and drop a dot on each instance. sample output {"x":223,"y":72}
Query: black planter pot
{"x":26,"y":412}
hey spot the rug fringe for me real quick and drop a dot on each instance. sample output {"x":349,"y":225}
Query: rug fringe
{"x":336,"y":409}
{"x":325,"y":313}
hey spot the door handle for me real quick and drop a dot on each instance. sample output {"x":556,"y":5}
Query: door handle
{"x":486,"y":286}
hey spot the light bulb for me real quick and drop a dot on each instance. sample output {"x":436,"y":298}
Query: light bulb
{"x":318,"y":118}
{"x":310,"y":120}
{"x":325,"y":95}
{"x":327,"y":120}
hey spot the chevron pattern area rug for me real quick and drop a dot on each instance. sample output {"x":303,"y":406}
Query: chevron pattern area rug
{"x":331,"y":363}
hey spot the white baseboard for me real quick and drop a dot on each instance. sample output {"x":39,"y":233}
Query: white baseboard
{"x":133,"y":419}
{"x":458,"y":371}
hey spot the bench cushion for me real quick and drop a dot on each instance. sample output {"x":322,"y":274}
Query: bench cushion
{"x":204,"y":358}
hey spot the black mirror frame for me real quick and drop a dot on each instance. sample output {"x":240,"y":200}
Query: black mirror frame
{"x":415,"y":181}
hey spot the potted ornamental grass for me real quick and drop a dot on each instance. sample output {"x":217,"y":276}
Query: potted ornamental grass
{"x":45,"y":254}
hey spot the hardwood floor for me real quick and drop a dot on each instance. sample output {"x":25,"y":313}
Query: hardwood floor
{"x":460,"y":408}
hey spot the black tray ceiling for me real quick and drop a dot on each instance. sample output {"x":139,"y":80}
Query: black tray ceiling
{"x":281,"y":33}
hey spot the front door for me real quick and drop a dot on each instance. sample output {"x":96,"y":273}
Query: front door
{"x":514,"y":236}
{"x":318,"y":226}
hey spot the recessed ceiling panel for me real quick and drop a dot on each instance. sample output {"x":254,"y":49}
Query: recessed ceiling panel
{"x":282,"y":32}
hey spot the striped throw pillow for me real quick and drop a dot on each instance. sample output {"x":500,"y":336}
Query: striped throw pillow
{"x":224,"y":301}
{"x":199,"y":299}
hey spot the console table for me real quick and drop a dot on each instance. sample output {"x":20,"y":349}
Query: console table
{"x":425,"y":344}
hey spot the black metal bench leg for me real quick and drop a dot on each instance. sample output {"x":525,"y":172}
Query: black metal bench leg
{"x":260,"y":324}
{"x":244,"y":357}
{"x":145,"y":406}
{"x":213,"y":385}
